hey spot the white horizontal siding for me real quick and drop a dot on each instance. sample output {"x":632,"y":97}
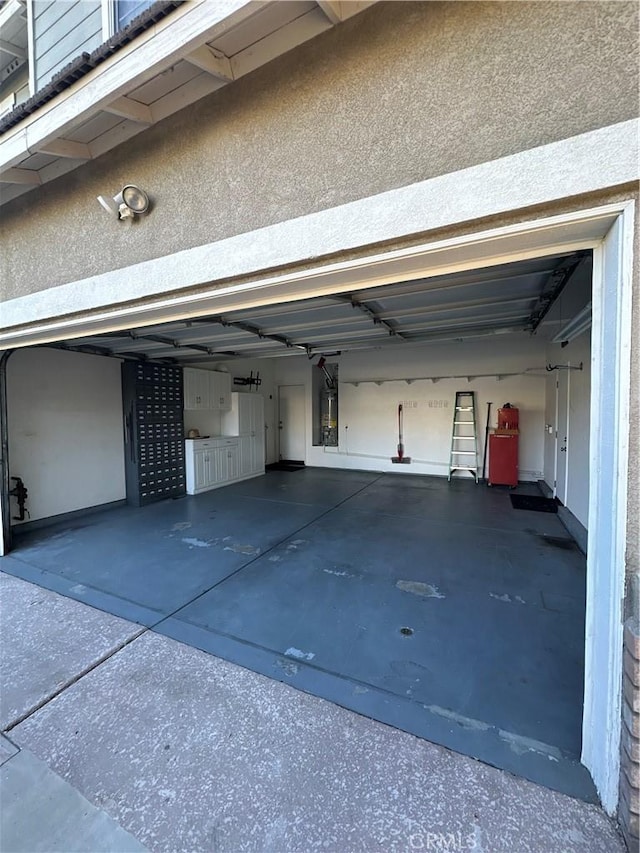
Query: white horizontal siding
{"x":62,"y":31}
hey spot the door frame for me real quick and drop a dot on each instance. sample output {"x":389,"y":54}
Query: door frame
{"x":304,"y":416}
{"x":612,"y":286}
{"x":609,"y":231}
{"x":562,"y":437}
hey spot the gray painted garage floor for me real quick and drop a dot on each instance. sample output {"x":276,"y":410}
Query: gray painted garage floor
{"x":433,"y":607}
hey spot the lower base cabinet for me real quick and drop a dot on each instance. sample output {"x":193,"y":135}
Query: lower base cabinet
{"x":503,"y":460}
{"x":215,"y":462}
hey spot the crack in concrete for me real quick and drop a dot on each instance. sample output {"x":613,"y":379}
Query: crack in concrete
{"x":74,"y":680}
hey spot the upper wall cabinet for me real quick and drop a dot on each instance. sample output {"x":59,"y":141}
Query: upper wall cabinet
{"x":206,"y":389}
{"x":220,"y":390}
{"x":196,"y":389}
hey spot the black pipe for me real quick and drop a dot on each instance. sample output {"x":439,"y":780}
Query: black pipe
{"x":486,"y":442}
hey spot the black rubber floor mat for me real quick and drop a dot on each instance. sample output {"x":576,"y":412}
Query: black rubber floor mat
{"x":534,"y":503}
{"x":285,"y":466}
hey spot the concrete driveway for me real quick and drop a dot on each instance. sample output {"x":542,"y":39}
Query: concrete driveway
{"x":149,"y":743}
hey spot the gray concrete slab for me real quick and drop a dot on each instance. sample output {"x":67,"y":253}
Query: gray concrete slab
{"x":41,"y":813}
{"x":124,"y":561}
{"x":327,"y":567}
{"x":7,"y":749}
{"x":191,"y":753}
{"x":48,"y":641}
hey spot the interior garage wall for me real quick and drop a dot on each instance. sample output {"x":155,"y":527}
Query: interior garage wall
{"x":384,"y":100}
{"x":575,"y":296}
{"x":368,"y":429}
{"x":65,"y":430}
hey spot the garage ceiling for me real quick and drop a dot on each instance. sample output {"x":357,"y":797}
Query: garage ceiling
{"x":498,"y":300}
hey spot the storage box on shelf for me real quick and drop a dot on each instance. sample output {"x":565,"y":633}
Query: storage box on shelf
{"x":238,"y":455}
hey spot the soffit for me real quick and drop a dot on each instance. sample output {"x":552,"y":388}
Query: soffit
{"x":199,"y":48}
{"x":13,"y":38}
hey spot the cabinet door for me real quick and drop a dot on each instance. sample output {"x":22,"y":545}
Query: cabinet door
{"x":196,"y":389}
{"x":233,"y":462}
{"x":189,"y":388}
{"x":257,"y":433}
{"x":202,"y":390}
{"x":201,"y":467}
{"x":245,"y":455}
{"x":220,"y":390}
{"x":222,"y":465}
{"x":212,"y":468}
{"x":257,"y":453}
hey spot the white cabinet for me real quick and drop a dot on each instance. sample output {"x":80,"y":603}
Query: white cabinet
{"x":227,"y":462}
{"x":205,"y":469}
{"x":232,"y":462}
{"x":197,"y":393}
{"x":215,"y":462}
{"x":206,"y":389}
{"x":246,"y":420}
{"x":245,"y":455}
{"x":220,"y":390}
{"x":257,"y":455}
{"x":210,"y":463}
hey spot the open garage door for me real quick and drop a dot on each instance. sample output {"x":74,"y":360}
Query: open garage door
{"x":456,"y":328}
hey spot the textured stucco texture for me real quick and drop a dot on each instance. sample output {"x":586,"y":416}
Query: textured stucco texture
{"x":398,"y":94}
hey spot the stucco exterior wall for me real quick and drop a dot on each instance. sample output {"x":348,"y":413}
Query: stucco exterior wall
{"x":400,"y":93}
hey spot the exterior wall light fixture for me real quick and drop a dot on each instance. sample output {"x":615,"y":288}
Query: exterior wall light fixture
{"x":129,"y":203}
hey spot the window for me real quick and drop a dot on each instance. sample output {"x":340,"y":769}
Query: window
{"x":127,"y":10}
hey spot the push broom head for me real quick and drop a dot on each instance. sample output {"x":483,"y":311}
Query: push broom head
{"x":401,"y":459}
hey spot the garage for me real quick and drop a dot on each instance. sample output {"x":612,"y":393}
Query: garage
{"x":407,"y":592}
{"x":306,"y":238}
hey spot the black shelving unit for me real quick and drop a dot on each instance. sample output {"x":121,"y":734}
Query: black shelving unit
{"x":154,"y":432}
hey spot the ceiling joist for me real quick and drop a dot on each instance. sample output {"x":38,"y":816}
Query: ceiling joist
{"x":375,"y":316}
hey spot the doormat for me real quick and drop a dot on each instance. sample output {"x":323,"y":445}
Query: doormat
{"x":285,"y":465}
{"x":535,"y":503}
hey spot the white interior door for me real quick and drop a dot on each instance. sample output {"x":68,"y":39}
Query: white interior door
{"x":291,"y":422}
{"x":562,"y":434}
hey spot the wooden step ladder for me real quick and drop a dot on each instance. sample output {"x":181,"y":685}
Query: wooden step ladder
{"x":464,"y":435}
